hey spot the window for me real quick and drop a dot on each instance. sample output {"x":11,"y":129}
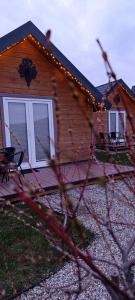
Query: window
{"x":117,"y":124}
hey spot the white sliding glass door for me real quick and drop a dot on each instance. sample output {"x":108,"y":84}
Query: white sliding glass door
{"x":29,"y":127}
{"x":117,"y":124}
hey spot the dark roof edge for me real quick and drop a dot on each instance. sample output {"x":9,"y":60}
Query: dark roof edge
{"x":111,"y":84}
{"x":114,"y":84}
{"x":130,"y":92}
{"x":29,"y":28}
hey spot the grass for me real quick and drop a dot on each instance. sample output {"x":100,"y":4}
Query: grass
{"x":117,"y":158}
{"x":20,"y":240}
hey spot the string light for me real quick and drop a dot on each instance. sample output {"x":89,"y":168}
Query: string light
{"x":91,"y":98}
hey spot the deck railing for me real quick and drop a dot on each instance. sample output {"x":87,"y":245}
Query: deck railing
{"x":114,"y":141}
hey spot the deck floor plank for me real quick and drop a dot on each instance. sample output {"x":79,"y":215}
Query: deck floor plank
{"x":70,"y":173}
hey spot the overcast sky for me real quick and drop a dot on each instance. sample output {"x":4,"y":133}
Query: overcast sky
{"x":75,"y":25}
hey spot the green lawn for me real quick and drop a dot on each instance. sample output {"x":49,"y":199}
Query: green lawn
{"x":118,"y":158}
{"x":38,"y":257}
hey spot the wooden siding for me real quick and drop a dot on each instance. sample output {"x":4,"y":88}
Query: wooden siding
{"x":73,"y":133}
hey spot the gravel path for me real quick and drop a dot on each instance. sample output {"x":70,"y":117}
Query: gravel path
{"x":122,"y":209}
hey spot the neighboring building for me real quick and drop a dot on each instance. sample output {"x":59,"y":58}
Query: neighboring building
{"x":133,"y":89}
{"x":116,"y":123}
{"x":46,"y":103}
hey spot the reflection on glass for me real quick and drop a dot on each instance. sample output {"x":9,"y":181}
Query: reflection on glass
{"x":41,"y":131}
{"x":121,"y":125}
{"x":112,"y":122}
{"x":18,"y":127}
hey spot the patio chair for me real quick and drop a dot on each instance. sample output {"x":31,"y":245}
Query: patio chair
{"x":11,"y":163}
{"x":114,"y":138}
{"x":7,"y":151}
{"x":113,"y":135}
{"x":4,"y":154}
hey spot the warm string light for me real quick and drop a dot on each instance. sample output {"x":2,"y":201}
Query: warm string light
{"x":60,"y":66}
{"x":13,"y":45}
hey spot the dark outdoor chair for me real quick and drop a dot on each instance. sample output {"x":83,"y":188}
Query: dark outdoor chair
{"x":113,"y":135}
{"x":6,"y":156}
{"x":11,"y":163}
{"x":113,"y":138}
{"x":7,"y":151}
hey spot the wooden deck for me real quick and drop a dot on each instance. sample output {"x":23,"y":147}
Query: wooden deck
{"x":47,"y":179}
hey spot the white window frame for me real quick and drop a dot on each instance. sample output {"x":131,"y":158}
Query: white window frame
{"x":30,"y":128}
{"x":116,"y":112}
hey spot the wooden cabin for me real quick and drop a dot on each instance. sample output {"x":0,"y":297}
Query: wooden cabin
{"x":117,"y":125}
{"x":46,"y":104}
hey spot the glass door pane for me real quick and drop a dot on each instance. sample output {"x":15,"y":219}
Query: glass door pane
{"x":113,"y":123}
{"x":121,"y":124}
{"x":41,"y":131}
{"x":18,"y":126}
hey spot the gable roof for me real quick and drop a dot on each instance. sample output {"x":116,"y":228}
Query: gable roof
{"x":106,"y":88}
{"x":29,"y":28}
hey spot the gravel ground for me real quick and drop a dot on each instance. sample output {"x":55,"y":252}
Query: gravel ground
{"x":119,"y":197}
